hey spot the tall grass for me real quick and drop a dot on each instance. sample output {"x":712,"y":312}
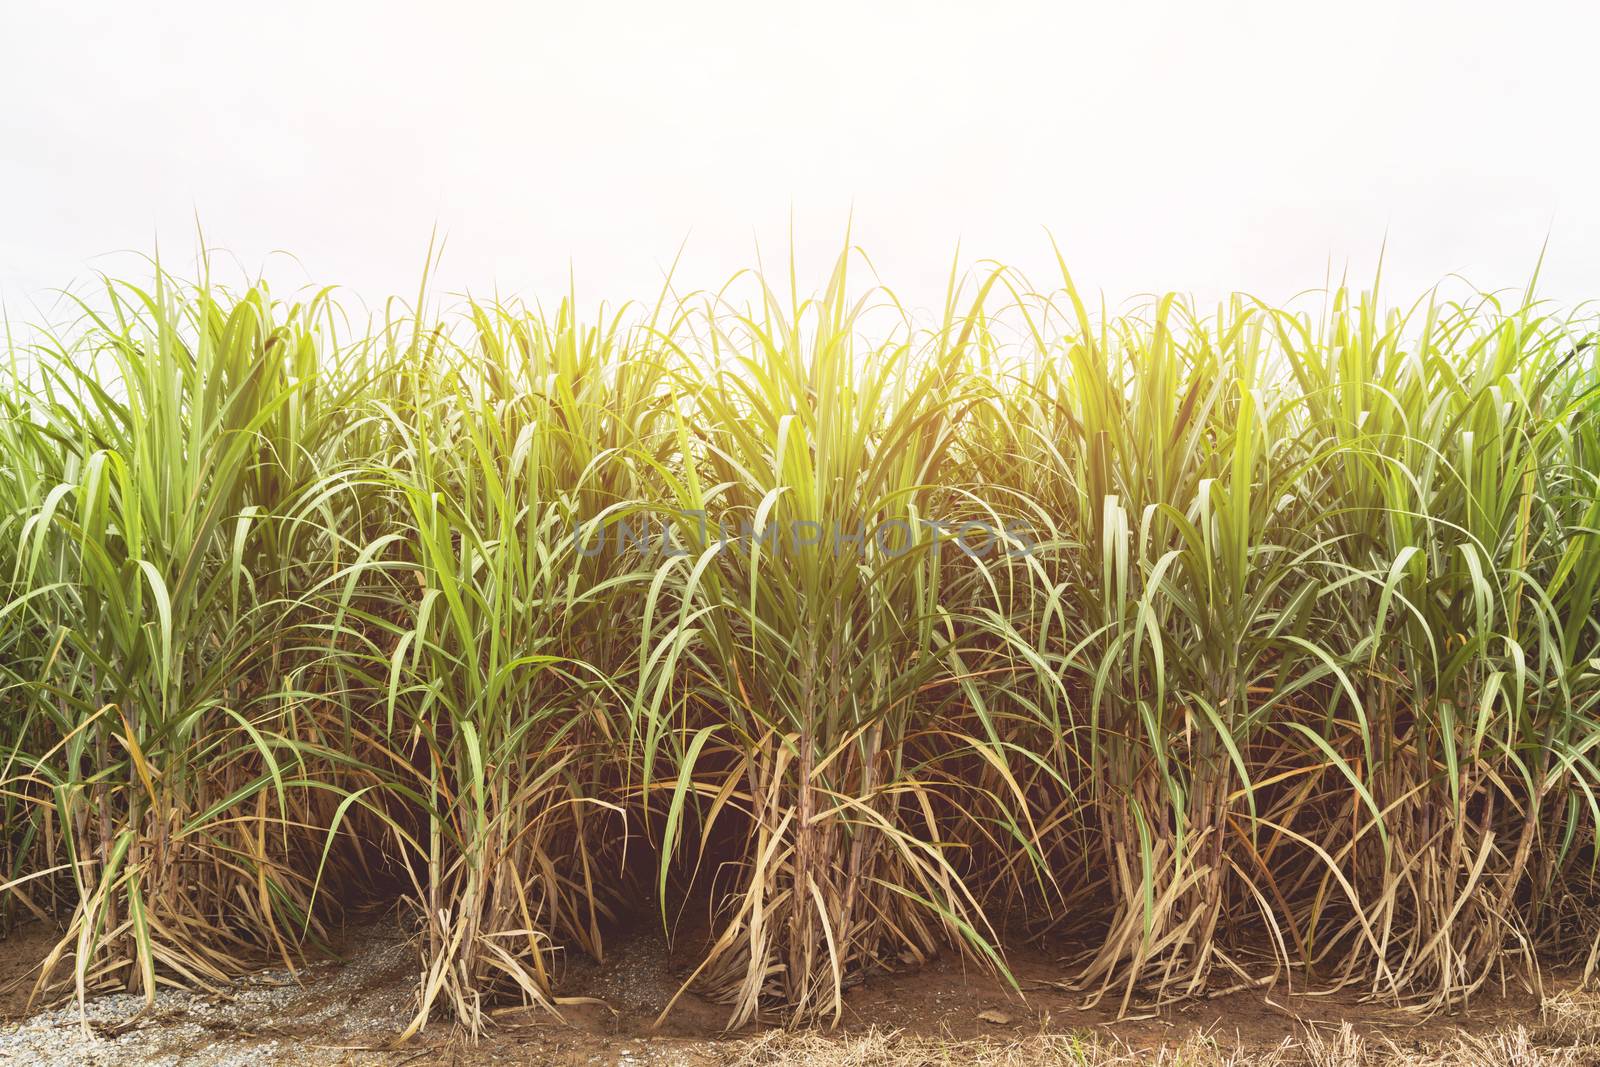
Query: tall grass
{"x":1216,"y":648}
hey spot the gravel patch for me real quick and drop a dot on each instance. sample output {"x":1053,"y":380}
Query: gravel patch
{"x":334,"y":1013}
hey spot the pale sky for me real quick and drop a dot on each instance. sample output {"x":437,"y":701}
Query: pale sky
{"x":1191,"y":145}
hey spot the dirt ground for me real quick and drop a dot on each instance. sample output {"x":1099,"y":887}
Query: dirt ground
{"x":347,"y":1011}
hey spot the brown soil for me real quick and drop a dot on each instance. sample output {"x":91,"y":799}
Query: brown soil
{"x":20,"y":953}
{"x":347,"y":1012}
